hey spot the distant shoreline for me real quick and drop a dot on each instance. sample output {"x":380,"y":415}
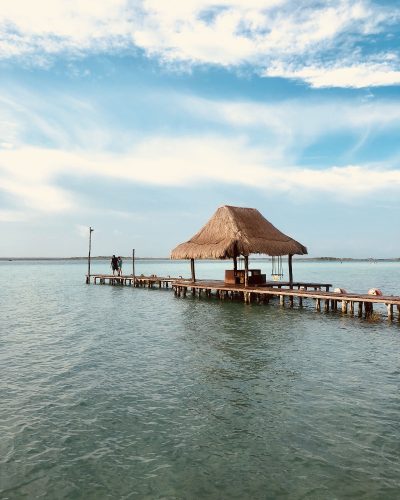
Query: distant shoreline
{"x":299,"y":259}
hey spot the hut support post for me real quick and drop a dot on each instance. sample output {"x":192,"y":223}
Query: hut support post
{"x":246,"y":270}
{"x":89,"y":255}
{"x":192,"y":269}
{"x":290,"y":271}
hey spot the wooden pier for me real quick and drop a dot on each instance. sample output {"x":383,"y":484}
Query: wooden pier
{"x":349,"y":303}
{"x":361,"y":305}
{"x":130,"y":280}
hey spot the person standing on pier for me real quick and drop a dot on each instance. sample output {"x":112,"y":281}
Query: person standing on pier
{"x":119,"y":266}
{"x":114,"y":264}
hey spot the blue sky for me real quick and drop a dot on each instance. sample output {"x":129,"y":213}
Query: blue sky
{"x":140,"y":118}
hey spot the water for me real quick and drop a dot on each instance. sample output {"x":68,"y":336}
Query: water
{"x":112,"y":392}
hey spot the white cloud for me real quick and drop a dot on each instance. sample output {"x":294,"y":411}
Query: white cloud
{"x":38,"y":195}
{"x":166,"y":161}
{"x":352,"y":76}
{"x":32,"y":175}
{"x":30,"y":182}
{"x":247,"y":31}
{"x":56,"y":25}
{"x":13,"y":216}
{"x":285,"y":127}
{"x":311,"y":41}
{"x":290,"y":126}
{"x":281,"y":39}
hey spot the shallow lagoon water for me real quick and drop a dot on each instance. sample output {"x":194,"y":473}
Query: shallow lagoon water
{"x":112,"y":392}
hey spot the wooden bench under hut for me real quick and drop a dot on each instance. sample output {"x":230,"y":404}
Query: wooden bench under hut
{"x":234,"y":232}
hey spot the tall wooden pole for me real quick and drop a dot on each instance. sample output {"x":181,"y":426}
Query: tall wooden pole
{"x":290,"y":271}
{"x":133,"y":265}
{"x":246,"y":270}
{"x":90,"y":250}
{"x":192,"y":269}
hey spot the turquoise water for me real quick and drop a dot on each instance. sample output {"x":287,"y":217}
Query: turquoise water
{"x":112,"y":392}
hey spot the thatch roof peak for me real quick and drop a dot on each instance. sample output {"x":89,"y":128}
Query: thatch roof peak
{"x":234,"y":231}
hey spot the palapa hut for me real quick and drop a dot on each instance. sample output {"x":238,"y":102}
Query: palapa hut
{"x":236,"y":231}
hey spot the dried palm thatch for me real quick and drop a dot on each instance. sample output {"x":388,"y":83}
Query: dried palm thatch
{"x":234,"y":231}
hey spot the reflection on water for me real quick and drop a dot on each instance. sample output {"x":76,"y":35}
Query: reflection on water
{"x":112,"y":392}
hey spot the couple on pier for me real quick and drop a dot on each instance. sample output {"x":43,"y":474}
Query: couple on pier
{"x":116,"y":265}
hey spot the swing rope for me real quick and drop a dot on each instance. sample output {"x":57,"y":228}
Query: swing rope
{"x":277,"y":268}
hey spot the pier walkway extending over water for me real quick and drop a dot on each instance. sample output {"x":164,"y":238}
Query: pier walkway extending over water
{"x":130,"y":280}
{"x":350,"y":303}
{"x":323,"y":299}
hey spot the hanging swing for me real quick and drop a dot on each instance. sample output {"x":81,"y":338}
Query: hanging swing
{"x":240,"y":267}
{"x":277,"y":269}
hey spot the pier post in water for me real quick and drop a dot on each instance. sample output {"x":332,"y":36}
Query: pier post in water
{"x":133,"y":267}
{"x":290,"y":257}
{"x":368,"y":309}
{"x":192,"y":270}
{"x":89,"y":255}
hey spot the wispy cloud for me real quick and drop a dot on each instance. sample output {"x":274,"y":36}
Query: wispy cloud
{"x":309,"y":41}
{"x":54,"y":26}
{"x":364,"y":74}
{"x":33,"y":190}
{"x":167,"y":161}
{"x":292,"y":125}
{"x":33,"y":168}
{"x":285,"y":127}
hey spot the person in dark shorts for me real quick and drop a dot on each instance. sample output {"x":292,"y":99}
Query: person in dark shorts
{"x":114,"y":264}
{"x":119,"y":266}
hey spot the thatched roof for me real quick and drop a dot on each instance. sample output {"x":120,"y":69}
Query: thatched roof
{"x":234,"y":231}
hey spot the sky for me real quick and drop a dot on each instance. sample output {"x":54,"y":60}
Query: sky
{"x":141,"y":118}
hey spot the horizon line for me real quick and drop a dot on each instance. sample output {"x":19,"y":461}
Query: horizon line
{"x":106,"y":257}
